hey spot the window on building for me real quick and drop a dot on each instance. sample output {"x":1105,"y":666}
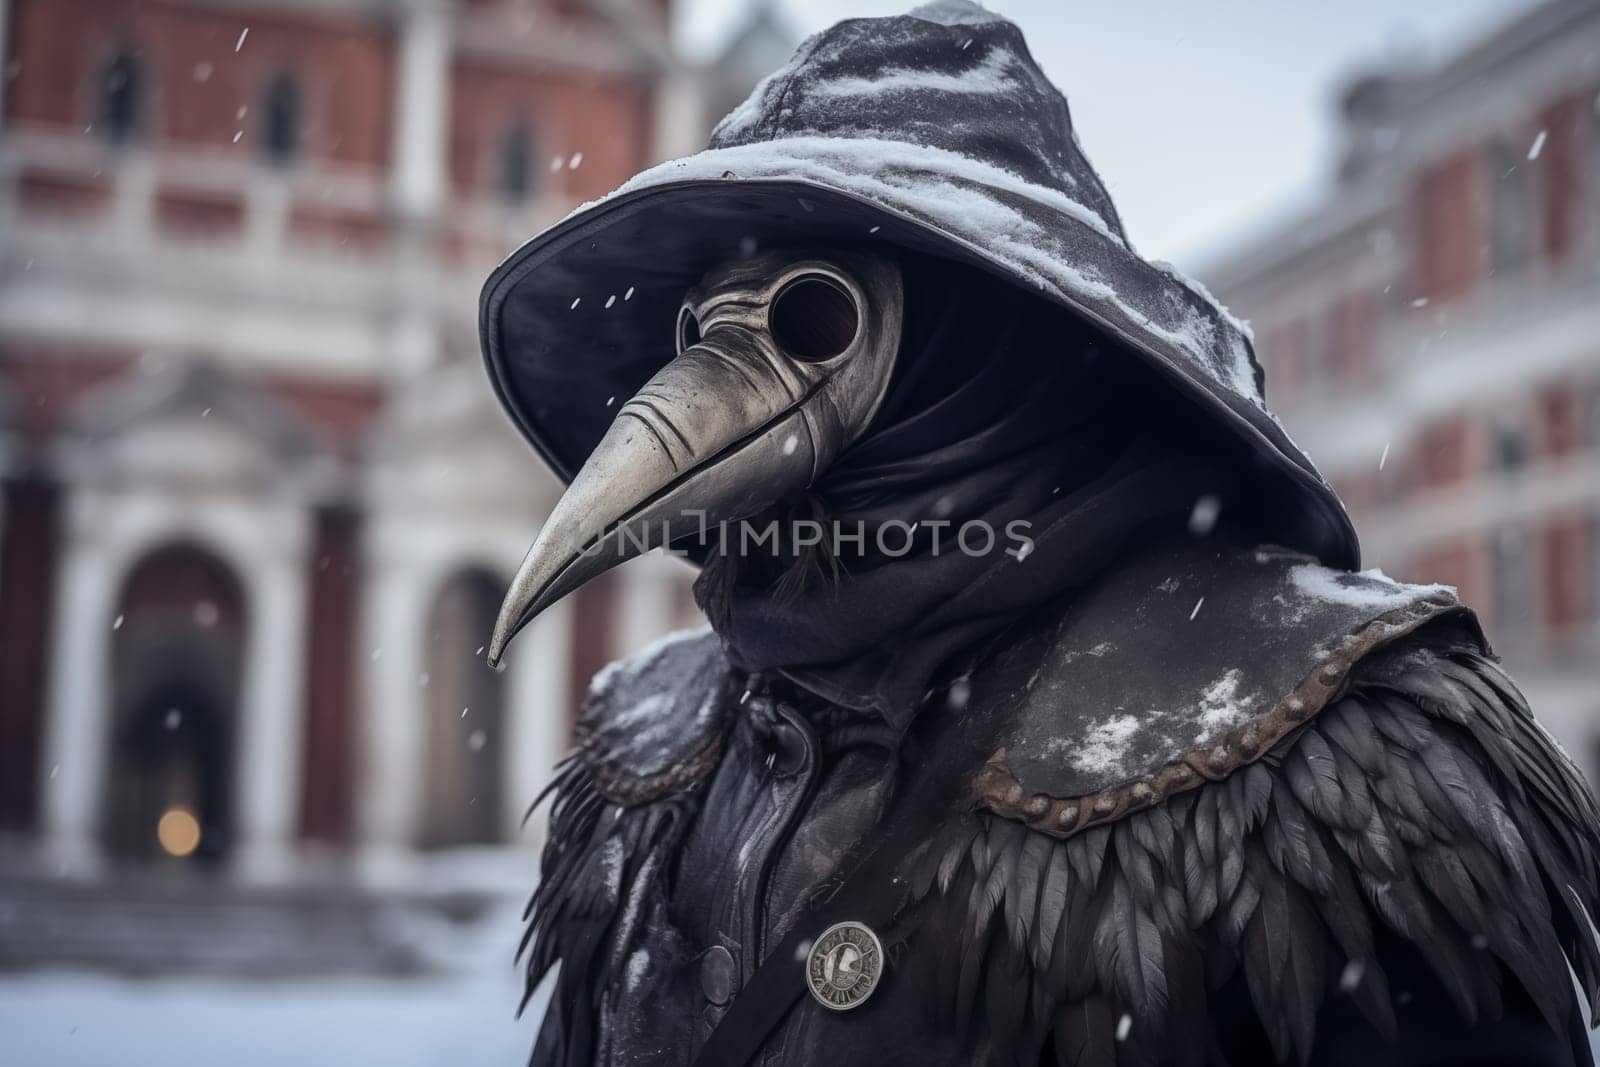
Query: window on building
{"x":122,"y":87}
{"x":281,"y":120}
{"x":1511,"y":600}
{"x":1509,"y":216}
{"x":1510,"y":449}
{"x":1594,"y":418}
{"x":516,"y":163}
{"x":1594,"y":151}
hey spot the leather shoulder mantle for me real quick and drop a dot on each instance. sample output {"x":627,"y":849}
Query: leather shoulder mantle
{"x":654,"y":724}
{"x":1178,"y":667}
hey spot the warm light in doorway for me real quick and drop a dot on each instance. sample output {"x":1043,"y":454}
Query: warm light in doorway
{"x":178,"y":831}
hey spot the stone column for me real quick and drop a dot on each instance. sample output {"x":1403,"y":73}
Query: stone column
{"x":421,"y":105}
{"x":421,"y":112}
{"x":79,"y":699}
{"x":389,"y":794}
{"x":272,"y":718}
{"x":648,"y":605}
{"x":538,"y":708}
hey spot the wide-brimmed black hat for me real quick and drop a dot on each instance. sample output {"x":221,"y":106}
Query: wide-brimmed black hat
{"x":935,"y":131}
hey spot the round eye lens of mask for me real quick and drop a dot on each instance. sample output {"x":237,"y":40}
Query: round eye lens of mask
{"x":814,"y":319}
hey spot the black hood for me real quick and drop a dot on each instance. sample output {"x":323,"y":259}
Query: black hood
{"x":1012,"y":460}
{"x":935,"y":131}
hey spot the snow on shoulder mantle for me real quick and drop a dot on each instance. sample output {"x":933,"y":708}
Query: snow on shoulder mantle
{"x":653,"y":724}
{"x":1178,"y":668}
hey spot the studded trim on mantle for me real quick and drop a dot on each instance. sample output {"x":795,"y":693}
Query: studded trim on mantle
{"x":997,"y":790}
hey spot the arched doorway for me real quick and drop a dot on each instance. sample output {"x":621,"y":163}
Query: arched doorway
{"x":465,"y":706}
{"x":176,"y":657}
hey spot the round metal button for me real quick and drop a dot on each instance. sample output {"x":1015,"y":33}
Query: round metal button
{"x":718,"y":975}
{"x":844,"y":966}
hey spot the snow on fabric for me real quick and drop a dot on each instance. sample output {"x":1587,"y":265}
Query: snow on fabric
{"x":660,"y":705}
{"x":995,"y":73}
{"x":621,"y":671}
{"x":1221,"y":706}
{"x":936,"y":131}
{"x":1094,"y":715}
{"x":1106,"y":749}
{"x":830,"y":102}
{"x":1103,"y":750}
{"x":959,"y":192}
{"x":1368,"y":589}
{"x":954,"y":13}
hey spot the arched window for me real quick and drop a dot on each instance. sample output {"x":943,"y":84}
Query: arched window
{"x":1509,"y":214}
{"x":516,"y":163}
{"x":281,"y":120}
{"x":465,"y":729}
{"x":121,"y":108}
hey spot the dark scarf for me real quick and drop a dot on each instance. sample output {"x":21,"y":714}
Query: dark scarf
{"x":1003,"y":408}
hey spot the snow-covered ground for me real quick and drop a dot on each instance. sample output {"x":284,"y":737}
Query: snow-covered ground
{"x":464,"y":1016}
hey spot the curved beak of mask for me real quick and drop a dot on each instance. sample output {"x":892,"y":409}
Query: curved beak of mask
{"x":783,"y":360}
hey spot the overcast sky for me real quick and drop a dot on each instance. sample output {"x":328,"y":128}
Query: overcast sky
{"x":1207,"y":119}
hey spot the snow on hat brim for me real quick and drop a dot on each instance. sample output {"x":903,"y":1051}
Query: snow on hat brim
{"x":574,"y":321}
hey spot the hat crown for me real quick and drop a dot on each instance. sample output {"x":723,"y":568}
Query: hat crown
{"x":950,"y":75}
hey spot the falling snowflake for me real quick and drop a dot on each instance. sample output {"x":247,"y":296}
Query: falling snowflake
{"x":629,"y":294}
{"x":1350,"y":977}
{"x":174,"y":719}
{"x":960,"y":692}
{"x":557,"y":163}
{"x":1124,"y":1027}
{"x":55,"y":769}
{"x":465,"y":710}
{"x":612,"y":299}
{"x":1420,"y":302}
{"x":236,"y":135}
{"x":610,"y":400}
{"x":242,"y":35}
{"x":1538,"y":145}
{"x":202,"y":71}
{"x":575,"y":302}
{"x":1203,"y":518}
{"x":1385,"y":457}
{"x":476,"y":740}
{"x":116,"y":624}
{"x":573,"y":163}
{"x":790,"y":443}
{"x":1196,"y":610}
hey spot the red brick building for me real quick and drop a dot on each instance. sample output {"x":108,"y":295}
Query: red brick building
{"x":1431,"y":334}
{"x":258,"y":503}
